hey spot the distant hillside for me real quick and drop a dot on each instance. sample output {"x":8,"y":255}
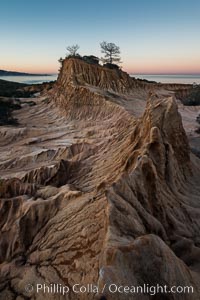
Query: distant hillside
{"x":12,"y":73}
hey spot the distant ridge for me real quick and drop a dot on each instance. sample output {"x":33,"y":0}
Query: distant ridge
{"x":12,"y":73}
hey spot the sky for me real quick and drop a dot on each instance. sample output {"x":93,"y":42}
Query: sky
{"x":155,"y":37}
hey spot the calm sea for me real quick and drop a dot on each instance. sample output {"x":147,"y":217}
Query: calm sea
{"x":158,"y":78}
{"x":187,"y":79}
{"x":30,"y":79}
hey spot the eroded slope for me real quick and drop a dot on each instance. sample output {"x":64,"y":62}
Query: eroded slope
{"x":96,"y":190}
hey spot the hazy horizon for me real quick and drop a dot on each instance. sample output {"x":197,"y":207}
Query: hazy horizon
{"x":131,"y":73}
{"x":154,"y":37}
{"x":163,"y":78}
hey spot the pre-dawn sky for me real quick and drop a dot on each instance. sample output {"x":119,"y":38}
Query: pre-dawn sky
{"x":155,"y":36}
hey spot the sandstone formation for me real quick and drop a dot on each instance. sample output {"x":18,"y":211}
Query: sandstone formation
{"x":98,"y":186}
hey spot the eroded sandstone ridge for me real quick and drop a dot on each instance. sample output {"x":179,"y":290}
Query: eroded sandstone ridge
{"x":98,"y":186}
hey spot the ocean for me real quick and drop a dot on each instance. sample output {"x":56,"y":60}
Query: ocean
{"x":30,"y":79}
{"x":186,"y":79}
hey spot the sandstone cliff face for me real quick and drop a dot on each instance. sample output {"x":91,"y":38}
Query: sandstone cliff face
{"x":82,"y":73}
{"x":93,"y":194}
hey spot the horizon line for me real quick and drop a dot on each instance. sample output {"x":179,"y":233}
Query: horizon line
{"x":130,"y":73}
{"x":168,"y":73}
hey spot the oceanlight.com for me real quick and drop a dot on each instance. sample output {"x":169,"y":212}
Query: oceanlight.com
{"x":112,"y":288}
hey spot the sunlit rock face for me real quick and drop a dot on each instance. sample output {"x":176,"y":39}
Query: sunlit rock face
{"x":98,"y":186}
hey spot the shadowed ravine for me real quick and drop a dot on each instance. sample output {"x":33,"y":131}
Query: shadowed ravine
{"x":98,"y":186}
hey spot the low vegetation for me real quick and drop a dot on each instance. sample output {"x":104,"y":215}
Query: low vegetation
{"x":12,"y":89}
{"x":22,"y":90}
{"x":198,"y":121}
{"x":7,"y":105}
{"x":193,"y":98}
